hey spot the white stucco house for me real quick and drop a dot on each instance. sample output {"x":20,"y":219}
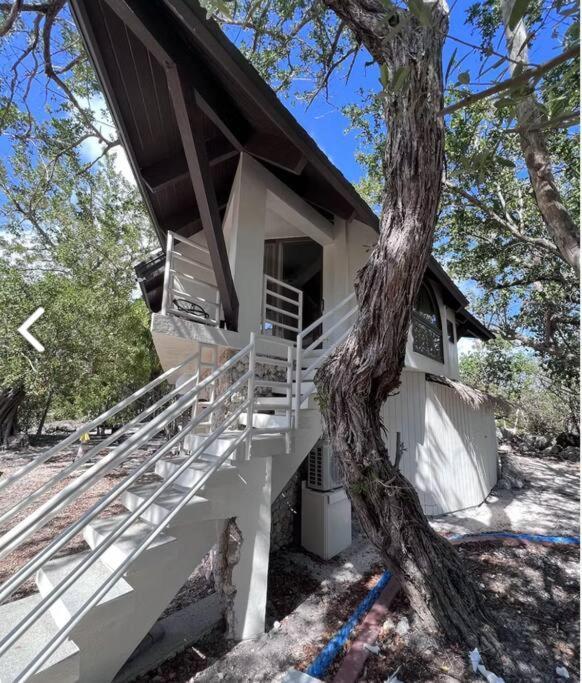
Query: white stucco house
{"x":260,"y":238}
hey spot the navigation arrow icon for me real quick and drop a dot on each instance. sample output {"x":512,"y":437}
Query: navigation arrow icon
{"x":23,"y":329}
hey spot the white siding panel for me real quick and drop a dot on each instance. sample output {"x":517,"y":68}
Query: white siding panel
{"x":451,"y":449}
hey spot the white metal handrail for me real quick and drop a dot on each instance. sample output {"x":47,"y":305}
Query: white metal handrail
{"x":301,"y":373}
{"x":36,"y":520}
{"x":168,"y":415}
{"x":99,"y":550}
{"x":59,"y":476}
{"x":60,"y":540}
{"x":171,"y":294}
{"x":93,"y":424}
{"x":273,"y":313}
{"x":119,"y":454}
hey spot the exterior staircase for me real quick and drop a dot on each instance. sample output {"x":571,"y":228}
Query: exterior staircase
{"x":232,"y":439}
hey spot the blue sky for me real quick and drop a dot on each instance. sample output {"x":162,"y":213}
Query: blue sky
{"x":324,"y":121}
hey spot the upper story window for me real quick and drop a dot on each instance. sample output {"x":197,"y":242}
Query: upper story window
{"x":427,"y":333}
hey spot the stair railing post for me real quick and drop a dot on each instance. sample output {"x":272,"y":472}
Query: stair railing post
{"x":167,"y":293}
{"x":251,"y":393}
{"x":194,"y":409}
{"x":298,"y":379}
{"x":300,"y":311}
{"x":289,"y":411}
{"x":264,"y":306}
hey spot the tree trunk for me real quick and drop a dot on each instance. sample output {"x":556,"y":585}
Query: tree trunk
{"x":10,"y":400}
{"x":560,"y":224}
{"x":359,"y":376}
{"x":45,"y":412}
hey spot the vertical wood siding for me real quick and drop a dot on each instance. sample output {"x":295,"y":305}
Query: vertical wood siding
{"x":451,"y":449}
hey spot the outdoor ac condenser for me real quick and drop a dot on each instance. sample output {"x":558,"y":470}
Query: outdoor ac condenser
{"x":322,"y":470}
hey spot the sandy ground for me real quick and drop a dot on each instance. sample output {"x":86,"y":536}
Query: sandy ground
{"x":549,"y":502}
{"x":12,"y":461}
{"x":535,"y":589}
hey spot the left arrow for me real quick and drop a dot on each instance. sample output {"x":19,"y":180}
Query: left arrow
{"x":23,"y":329}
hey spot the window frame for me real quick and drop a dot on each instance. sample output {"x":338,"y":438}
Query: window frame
{"x":418,"y":319}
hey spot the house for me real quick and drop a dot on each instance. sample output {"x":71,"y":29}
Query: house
{"x":261,"y":237}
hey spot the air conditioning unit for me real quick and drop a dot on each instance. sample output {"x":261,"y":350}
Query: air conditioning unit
{"x":322,"y":469}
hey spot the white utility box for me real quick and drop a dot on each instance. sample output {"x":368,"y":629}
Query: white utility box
{"x":326,"y":522}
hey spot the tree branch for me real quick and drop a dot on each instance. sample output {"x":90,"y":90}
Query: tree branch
{"x":42,"y":7}
{"x":566,"y":120}
{"x":523,"y":78}
{"x":508,"y":225}
{"x":531,"y":280}
{"x":13,"y":12}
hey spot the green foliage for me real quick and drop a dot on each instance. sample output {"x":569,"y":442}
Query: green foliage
{"x":542,"y":404}
{"x":95,"y":328}
{"x":71,"y":228}
{"x":526,"y":293}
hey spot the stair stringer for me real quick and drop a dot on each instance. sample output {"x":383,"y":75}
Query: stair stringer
{"x":155,"y":579}
{"x":303,"y":440}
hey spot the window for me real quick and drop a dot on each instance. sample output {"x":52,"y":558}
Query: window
{"x":427,"y":337}
{"x":451,"y":331}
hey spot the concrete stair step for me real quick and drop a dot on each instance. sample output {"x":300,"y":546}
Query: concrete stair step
{"x":118,"y":599}
{"x":96,"y":532}
{"x":62,"y":666}
{"x":217,"y":447}
{"x":196,"y":471}
{"x":165,"y":503}
{"x":264,"y":421}
{"x":272,"y":403}
{"x":306,"y":387}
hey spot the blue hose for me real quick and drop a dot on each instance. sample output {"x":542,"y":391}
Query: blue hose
{"x":535,"y":538}
{"x":325,"y":658}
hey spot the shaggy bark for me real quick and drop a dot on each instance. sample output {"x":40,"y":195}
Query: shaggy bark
{"x":560,"y":224}
{"x":358,"y":377}
{"x":10,"y":400}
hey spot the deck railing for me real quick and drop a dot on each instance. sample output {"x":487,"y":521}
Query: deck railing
{"x":334,"y":332}
{"x":188,"y":290}
{"x":282,"y":309}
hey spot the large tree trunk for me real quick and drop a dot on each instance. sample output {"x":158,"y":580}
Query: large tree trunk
{"x":560,"y":224}
{"x":356,"y":380}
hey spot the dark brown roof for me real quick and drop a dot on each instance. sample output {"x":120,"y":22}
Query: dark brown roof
{"x":131,"y":42}
{"x":236,"y":110}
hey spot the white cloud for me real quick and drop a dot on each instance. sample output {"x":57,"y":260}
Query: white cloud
{"x":93,"y":148}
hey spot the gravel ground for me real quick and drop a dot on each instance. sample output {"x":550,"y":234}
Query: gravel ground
{"x":12,"y":460}
{"x":533,"y":590}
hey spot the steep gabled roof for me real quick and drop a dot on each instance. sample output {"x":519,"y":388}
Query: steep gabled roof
{"x":149,"y":53}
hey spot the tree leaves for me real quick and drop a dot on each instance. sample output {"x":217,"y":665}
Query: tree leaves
{"x":384,"y":75}
{"x":398,"y":80}
{"x":450,"y":65}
